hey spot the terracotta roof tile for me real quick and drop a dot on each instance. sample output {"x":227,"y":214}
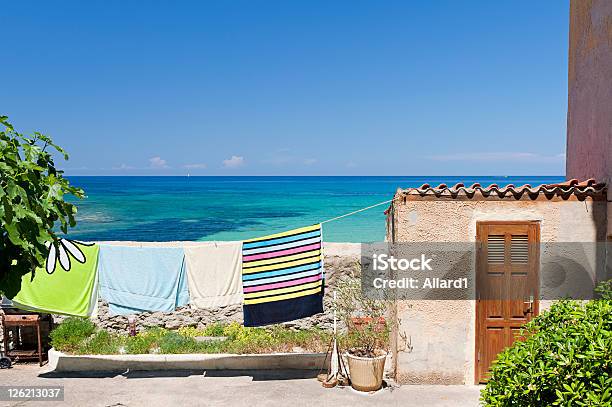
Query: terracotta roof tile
{"x":580,"y":189}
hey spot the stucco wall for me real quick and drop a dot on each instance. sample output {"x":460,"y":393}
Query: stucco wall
{"x":589,"y":116}
{"x":436,"y":339}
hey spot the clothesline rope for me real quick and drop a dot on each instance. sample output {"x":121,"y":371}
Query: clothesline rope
{"x":358,"y":210}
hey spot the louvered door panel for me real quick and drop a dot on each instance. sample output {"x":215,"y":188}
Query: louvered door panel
{"x":506,"y":279}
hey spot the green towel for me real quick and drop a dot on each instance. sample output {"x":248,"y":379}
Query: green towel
{"x":68,"y":285}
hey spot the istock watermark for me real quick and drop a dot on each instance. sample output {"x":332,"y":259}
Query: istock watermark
{"x":481,"y":271}
{"x":385,"y":262}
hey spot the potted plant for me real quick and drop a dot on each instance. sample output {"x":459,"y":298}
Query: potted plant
{"x":360,"y":322}
{"x":368,"y":335}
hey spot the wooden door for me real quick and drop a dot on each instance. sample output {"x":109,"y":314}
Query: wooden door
{"x":507,"y":282}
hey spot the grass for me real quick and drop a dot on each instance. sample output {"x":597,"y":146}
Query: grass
{"x":71,"y":333}
{"x":79,"y":336}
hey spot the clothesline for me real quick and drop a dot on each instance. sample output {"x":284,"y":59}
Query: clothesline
{"x":358,"y":210}
{"x":277,"y":278}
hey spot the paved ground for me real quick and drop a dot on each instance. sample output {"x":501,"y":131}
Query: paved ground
{"x":223,"y":388}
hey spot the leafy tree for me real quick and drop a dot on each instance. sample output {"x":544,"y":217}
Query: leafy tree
{"x":32,"y":203}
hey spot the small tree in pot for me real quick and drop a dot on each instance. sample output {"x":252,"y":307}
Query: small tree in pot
{"x":367,"y":339}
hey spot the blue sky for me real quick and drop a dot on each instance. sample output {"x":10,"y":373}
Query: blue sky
{"x":291,"y":88}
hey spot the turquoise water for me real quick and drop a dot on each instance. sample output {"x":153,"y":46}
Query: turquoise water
{"x":238,"y":208}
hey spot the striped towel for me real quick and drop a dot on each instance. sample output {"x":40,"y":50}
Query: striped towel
{"x":282,"y":276}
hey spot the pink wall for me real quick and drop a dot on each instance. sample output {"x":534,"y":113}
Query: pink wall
{"x":589,"y":112}
{"x":589,"y":118}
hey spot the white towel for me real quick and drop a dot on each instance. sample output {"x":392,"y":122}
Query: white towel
{"x":214,"y":274}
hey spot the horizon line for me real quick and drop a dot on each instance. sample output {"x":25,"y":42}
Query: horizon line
{"x":268,"y":175}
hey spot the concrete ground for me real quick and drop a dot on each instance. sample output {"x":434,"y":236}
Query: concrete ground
{"x":222,"y":388}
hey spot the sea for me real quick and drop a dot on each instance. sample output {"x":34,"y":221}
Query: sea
{"x":228,"y":208}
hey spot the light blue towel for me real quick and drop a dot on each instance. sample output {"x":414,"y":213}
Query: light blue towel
{"x":138,"y":279}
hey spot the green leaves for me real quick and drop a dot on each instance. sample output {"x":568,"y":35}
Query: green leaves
{"x":566,"y":359}
{"x":32,"y":202}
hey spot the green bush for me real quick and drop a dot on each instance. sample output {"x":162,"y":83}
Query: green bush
{"x":190,"y":331}
{"x":214,"y":329}
{"x":101,"y":343}
{"x":314,"y":338}
{"x":79,"y":336}
{"x":248,"y":340}
{"x":146,"y":341}
{"x":566,"y":359}
{"x":173,"y":342}
{"x":71,"y":333}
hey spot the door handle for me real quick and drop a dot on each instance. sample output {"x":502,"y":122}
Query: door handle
{"x":529,"y":305}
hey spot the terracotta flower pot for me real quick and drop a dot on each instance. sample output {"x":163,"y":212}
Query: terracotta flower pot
{"x":366,"y":373}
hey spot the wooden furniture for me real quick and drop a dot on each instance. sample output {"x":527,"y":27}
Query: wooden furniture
{"x":20,"y":321}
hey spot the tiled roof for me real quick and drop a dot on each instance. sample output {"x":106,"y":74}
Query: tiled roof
{"x":564,"y":190}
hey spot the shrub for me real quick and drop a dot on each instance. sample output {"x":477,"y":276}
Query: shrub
{"x":604,"y":290}
{"x":159,"y":340}
{"x":70,"y":333}
{"x":315,"y":339}
{"x":247,"y":340}
{"x":566,"y":359}
{"x":215,"y":329}
{"x":146,"y":341}
{"x":235,"y":330}
{"x":173,"y":342}
{"x":101,"y":343}
{"x":190,"y":331}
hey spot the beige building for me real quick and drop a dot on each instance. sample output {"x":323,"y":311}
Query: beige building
{"x":454,"y":341}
